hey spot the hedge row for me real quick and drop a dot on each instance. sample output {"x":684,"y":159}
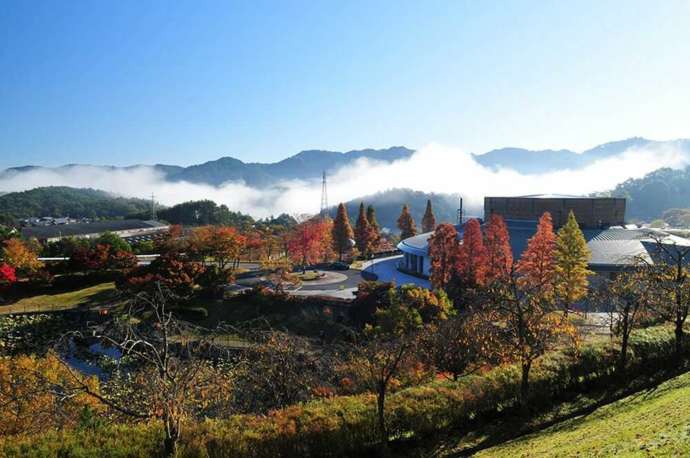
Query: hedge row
{"x":345,"y":425}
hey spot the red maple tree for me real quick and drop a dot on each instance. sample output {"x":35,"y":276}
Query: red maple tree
{"x":443,"y":252}
{"x":499,"y":256}
{"x":7,"y":275}
{"x":309,"y":242}
{"x":472,"y":260}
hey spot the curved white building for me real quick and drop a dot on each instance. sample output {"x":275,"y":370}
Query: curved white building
{"x":613,"y":246}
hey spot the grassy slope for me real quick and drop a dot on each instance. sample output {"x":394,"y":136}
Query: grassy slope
{"x":654,"y":422}
{"x":91,"y":296}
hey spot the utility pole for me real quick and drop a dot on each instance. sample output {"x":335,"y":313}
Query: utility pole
{"x":153,"y":207}
{"x":460,"y":213}
{"x":324,"y":197}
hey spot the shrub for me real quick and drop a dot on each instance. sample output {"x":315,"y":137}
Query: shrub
{"x":346,"y":425}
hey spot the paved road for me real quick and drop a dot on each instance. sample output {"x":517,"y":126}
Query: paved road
{"x":384,"y":268}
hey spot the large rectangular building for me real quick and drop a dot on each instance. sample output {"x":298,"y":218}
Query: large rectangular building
{"x":590,"y":212}
{"x":125,"y":228}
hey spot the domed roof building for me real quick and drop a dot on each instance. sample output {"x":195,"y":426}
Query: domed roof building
{"x":614,"y":245}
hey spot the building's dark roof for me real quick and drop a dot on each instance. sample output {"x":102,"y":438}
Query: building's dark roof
{"x":611,"y":248}
{"x":551,"y":196}
{"x":80,"y":229}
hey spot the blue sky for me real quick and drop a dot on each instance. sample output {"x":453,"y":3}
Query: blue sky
{"x":185,"y":82}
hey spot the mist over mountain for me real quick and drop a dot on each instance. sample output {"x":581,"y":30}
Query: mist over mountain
{"x":302,"y":166}
{"x":310,"y":164}
{"x":536,"y":162}
{"x":293,"y":185}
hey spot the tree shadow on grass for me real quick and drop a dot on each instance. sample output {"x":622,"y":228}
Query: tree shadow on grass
{"x":511,"y":425}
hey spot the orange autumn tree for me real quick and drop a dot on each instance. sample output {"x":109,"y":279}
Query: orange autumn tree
{"x":471,"y":259}
{"x":222,"y":244}
{"x":39,"y":393}
{"x":21,"y":256}
{"x":364,"y":234}
{"x":342,"y":232}
{"x":375,"y":228}
{"x":406,"y":224}
{"x":499,"y":255}
{"x":254,"y":244}
{"x":523,"y":307}
{"x":428,"y":220}
{"x":308,"y":242}
{"x":443,"y":252}
{"x":537,"y":265}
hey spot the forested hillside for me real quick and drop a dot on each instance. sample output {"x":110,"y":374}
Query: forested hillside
{"x":648,"y":197}
{"x":60,"y":201}
{"x":389,"y":203}
{"x":204,"y":212}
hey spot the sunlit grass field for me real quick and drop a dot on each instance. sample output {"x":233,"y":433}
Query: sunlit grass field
{"x":103,"y":294}
{"x":649,"y":423}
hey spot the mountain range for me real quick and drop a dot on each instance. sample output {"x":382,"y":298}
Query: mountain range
{"x":534,"y":162}
{"x":648,"y":197}
{"x":310,"y":164}
{"x":302,"y":166}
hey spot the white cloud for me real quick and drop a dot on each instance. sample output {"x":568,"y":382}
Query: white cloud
{"x":434,"y":168}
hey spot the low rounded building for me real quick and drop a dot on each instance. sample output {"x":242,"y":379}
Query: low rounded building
{"x":613,"y":244}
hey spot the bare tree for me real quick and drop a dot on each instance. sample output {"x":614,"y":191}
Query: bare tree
{"x":167,"y":369}
{"x":527,"y":323}
{"x":375,"y":362}
{"x":668,"y":272}
{"x":285,"y":369}
{"x":460,"y":345}
{"x":627,"y":299}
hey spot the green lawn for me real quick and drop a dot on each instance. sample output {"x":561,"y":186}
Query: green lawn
{"x":309,"y":275}
{"x":650,"y":423}
{"x":98,"y":295}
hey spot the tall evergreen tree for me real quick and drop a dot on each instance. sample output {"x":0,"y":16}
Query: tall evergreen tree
{"x":374,"y":224}
{"x":443,"y":252}
{"x":406,"y":224}
{"x":429,"y":220}
{"x":342,"y":232}
{"x":524,"y":305}
{"x":537,"y":265}
{"x":499,"y":255}
{"x":572,"y":259}
{"x":363,"y":233}
{"x":472,"y":260}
